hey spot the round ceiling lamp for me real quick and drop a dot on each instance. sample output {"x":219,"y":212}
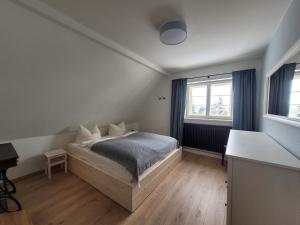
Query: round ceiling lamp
{"x":173,"y":32}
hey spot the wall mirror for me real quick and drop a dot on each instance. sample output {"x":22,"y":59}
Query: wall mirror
{"x":284,"y":90}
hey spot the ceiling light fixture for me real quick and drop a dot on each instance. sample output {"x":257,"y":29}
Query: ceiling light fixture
{"x":173,"y":32}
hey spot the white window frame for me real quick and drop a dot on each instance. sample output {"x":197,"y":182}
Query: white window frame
{"x":207,"y":116}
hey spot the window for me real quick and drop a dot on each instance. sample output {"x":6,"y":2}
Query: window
{"x":295,"y":97}
{"x":209,"y":100}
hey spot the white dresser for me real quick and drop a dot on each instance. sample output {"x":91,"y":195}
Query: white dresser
{"x":263,"y":181}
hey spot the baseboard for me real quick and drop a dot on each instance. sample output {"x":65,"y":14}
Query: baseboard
{"x":27,"y":176}
{"x":203,"y":152}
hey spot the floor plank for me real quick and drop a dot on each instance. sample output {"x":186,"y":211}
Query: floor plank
{"x":15,"y":218}
{"x":194,"y":193}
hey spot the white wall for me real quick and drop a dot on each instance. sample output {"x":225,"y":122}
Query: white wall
{"x":155,"y":114}
{"x":285,"y":37}
{"x":52,"y":79}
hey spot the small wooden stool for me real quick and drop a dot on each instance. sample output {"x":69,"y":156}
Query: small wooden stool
{"x":55,"y":157}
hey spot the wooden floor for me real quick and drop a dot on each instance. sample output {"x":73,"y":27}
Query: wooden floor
{"x":194,"y":193}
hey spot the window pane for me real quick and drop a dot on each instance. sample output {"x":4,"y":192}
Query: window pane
{"x":199,"y":91}
{"x":199,"y":110}
{"x":224,"y":100}
{"x":294,"y":111}
{"x":295,"y":98}
{"x":220,"y":100}
{"x":198,"y":100}
{"x":221,"y":89}
{"x":220,"y":109}
{"x":296,"y":83}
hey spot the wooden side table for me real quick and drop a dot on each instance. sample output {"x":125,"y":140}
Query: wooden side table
{"x":53,"y":158}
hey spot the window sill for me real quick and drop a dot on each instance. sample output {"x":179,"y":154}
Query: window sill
{"x":283,"y":119}
{"x":216,"y":122}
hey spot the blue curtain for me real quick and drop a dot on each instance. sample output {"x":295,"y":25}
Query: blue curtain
{"x":280,"y":87}
{"x":244,"y":99}
{"x":178,"y":108}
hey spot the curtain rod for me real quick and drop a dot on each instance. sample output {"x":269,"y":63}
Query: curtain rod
{"x":214,"y":75}
{"x":211,"y":75}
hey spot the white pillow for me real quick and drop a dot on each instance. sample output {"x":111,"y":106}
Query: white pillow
{"x":96,"y":134}
{"x":116,"y":130}
{"x":84,"y":135}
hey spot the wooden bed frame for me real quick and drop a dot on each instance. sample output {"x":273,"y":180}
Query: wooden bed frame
{"x":128,"y":195}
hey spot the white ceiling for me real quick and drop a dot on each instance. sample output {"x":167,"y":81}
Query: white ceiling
{"x":294,"y":59}
{"x":219,"y":31}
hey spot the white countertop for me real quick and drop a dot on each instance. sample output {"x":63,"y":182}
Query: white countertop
{"x":258,"y":146}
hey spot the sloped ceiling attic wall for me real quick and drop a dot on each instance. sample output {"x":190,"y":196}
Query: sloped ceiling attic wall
{"x":53,"y":79}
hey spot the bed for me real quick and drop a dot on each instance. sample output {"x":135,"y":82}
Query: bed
{"x":113,"y":178}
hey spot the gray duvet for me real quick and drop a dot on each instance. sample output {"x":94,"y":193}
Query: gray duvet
{"x":136,"y":152}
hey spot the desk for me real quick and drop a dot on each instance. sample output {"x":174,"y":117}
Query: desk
{"x":8,"y":159}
